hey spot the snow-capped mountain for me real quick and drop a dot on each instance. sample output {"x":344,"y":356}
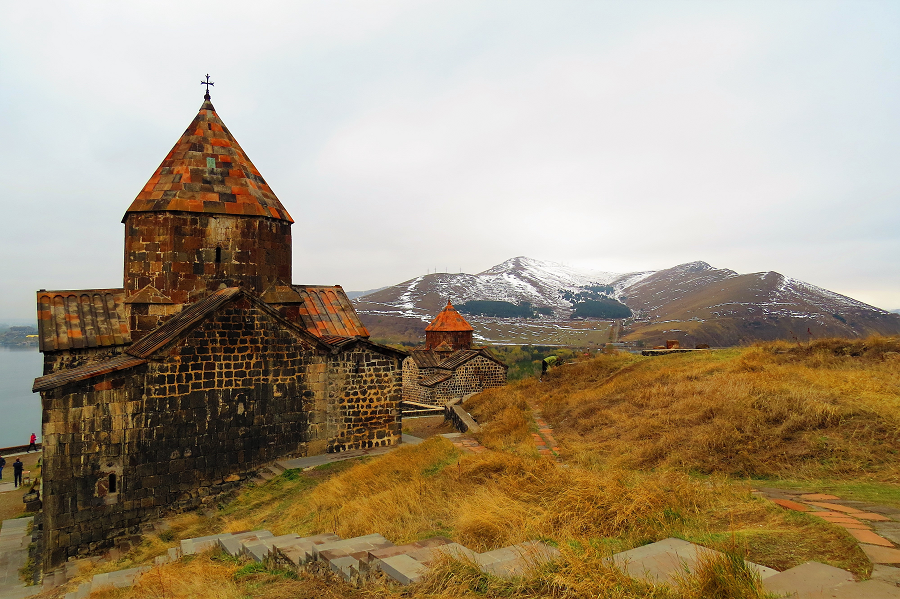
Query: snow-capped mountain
{"x":713,"y":305}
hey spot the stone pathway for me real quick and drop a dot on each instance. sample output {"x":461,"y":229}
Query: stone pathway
{"x":465,"y":442}
{"x":543,"y":439}
{"x":14,"y":541}
{"x":875,"y":527}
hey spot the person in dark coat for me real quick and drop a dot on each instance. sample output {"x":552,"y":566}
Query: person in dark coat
{"x":2,"y":464}
{"x":17,"y":472}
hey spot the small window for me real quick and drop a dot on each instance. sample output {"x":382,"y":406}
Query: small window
{"x":219,"y":255}
{"x":112,"y":483}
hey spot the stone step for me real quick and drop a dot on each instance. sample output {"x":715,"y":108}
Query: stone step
{"x":277,"y":468}
{"x":350,"y":557}
{"x":807,"y":580}
{"x":403,"y":568}
{"x":259,"y":549}
{"x":234,"y":544}
{"x":515,"y":560}
{"x":301,"y":551}
{"x":375,"y":555}
{"x":663,"y":560}
{"x":200,"y":544}
{"x":119,"y":579}
{"x":363,"y":543}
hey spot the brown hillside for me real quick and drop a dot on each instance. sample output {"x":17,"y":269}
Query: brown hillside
{"x":702,"y":304}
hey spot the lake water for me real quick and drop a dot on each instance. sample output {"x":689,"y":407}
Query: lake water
{"x":20,"y":409}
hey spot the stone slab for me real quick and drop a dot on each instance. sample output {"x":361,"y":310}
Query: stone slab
{"x":356,"y":543}
{"x":872,"y":517}
{"x":660,"y":561}
{"x":835,"y":507}
{"x":807,"y":579}
{"x":792,"y":505}
{"x":886,"y":573}
{"x":345,"y":567}
{"x":818,"y":496}
{"x":869,"y":589}
{"x":881,"y":555}
{"x":889,"y":530}
{"x":403,"y":568}
{"x":301,"y":551}
{"x":867,"y":536}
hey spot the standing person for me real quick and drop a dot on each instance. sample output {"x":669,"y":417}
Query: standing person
{"x":17,"y":472}
{"x":33,"y":443}
{"x":2,"y":464}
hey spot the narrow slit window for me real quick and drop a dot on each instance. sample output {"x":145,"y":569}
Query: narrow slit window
{"x":219,"y":255}
{"x":112,"y":483}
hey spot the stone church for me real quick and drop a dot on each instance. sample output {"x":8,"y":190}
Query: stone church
{"x":449,"y":367}
{"x":206,"y":364}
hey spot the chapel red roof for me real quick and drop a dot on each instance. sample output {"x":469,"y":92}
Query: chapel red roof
{"x":449,"y":320}
{"x":207,"y":171}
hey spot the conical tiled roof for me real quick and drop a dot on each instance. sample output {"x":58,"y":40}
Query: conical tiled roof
{"x":449,"y":320}
{"x":207,"y":171}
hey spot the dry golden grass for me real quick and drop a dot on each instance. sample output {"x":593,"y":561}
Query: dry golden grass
{"x":829,"y":410}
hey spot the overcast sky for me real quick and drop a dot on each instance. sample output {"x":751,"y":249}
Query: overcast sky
{"x":408,"y":136}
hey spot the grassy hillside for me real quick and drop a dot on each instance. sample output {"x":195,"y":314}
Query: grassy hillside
{"x":830,"y":409}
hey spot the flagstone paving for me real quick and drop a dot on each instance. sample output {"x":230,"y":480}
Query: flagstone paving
{"x":875,"y":527}
{"x":543,"y":439}
{"x":14,"y":541}
{"x":465,"y":442}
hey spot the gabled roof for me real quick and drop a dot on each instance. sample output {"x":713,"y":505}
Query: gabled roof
{"x":207,"y":171}
{"x":449,"y":320}
{"x":71,"y":375}
{"x":428,"y":358}
{"x":197,"y":312}
{"x":328,"y":311}
{"x":81,"y":319}
{"x":434,"y":379}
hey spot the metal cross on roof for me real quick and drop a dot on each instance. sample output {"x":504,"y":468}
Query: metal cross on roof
{"x":207,"y":83}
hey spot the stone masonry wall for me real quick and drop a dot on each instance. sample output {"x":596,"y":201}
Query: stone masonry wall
{"x":473,"y":376}
{"x":412,"y":391}
{"x":184,"y":255}
{"x":72,"y":358}
{"x":476,"y":375}
{"x":238,"y":392}
{"x":235,"y":394}
{"x":364,"y":391}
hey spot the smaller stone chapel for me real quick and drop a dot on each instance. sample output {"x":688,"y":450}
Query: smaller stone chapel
{"x":449,"y":367}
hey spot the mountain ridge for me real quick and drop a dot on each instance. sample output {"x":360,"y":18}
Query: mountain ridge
{"x":711,"y":305}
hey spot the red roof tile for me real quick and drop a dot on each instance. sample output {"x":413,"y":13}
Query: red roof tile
{"x":207,"y":171}
{"x":82,"y":318}
{"x":449,"y":320}
{"x":326,"y":311}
